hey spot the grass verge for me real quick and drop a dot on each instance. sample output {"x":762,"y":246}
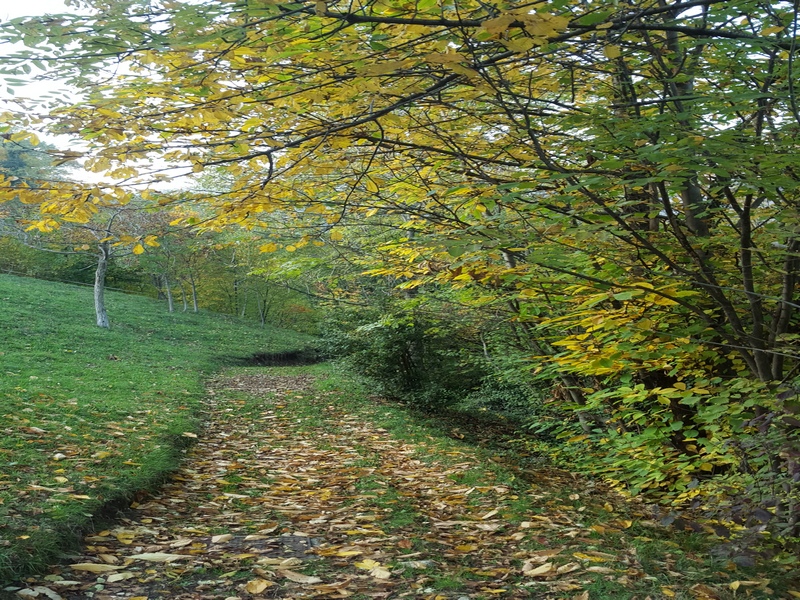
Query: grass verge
{"x":90,"y":417}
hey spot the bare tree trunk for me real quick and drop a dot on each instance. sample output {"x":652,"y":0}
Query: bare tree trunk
{"x":168,"y":289}
{"x":100,"y":285}
{"x":244,"y":303}
{"x":194,"y":293}
{"x":183,"y":296}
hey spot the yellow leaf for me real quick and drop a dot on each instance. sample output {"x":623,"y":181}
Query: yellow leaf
{"x":125,"y":537}
{"x":371,"y":186}
{"x":291,"y":248}
{"x":337,"y":235}
{"x":612,"y":52}
{"x":150,"y":240}
{"x":138,"y":249}
{"x":367,"y":564}
{"x":268,"y":247}
{"x":519,"y":44}
{"x":256,"y":586}
{"x":667,"y":592}
{"x":499,"y":24}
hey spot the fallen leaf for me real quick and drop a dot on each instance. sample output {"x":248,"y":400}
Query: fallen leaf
{"x":256,"y":586}
{"x":324,"y":587}
{"x":299,"y":577}
{"x":703,"y":592}
{"x":568,"y":568}
{"x":39,"y":589}
{"x":380,"y":573}
{"x":125,"y":537}
{"x":221,"y":539}
{"x":109,"y":559}
{"x":120,"y":576}
{"x":94,"y":567}
{"x":158,"y":556}
{"x":540,"y":571}
{"x":367,"y":564}
{"x":600,"y":570}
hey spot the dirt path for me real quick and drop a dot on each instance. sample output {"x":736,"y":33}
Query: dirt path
{"x":279,"y":500}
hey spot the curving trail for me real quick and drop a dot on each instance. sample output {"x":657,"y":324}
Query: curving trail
{"x":286,"y":495}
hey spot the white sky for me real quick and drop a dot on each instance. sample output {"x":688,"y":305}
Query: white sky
{"x":11,"y":9}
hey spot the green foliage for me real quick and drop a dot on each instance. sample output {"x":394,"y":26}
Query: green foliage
{"x":18,"y":259}
{"x":406,"y":354}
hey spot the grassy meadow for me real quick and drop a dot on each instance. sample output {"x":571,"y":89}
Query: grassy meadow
{"x":89,"y":417}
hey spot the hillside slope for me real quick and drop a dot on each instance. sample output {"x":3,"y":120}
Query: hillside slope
{"x":91,"y":416}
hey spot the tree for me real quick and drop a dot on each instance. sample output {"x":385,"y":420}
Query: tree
{"x":620,"y":179}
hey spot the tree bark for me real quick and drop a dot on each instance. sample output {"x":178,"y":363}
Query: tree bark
{"x":100,"y":285}
{"x":168,"y":289}
{"x":194,"y":294}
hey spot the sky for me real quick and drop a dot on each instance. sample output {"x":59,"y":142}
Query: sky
{"x":11,"y":9}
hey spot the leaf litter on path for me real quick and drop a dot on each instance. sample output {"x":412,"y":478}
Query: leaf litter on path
{"x":287,"y":495}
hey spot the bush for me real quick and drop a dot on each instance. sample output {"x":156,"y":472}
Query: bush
{"x":407,"y":356}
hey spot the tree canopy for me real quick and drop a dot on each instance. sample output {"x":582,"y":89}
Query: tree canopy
{"x":618,"y":181}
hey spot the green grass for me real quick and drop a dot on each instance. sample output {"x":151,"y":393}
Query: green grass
{"x":89,"y":417}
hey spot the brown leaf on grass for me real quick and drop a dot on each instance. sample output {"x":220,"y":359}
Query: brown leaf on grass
{"x":568,"y":568}
{"x":380,"y":573}
{"x":257,"y":586}
{"x":299,"y":577}
{"x":540,"y":556}
{"x":704,"y":592}
{"x":604,"y":570}
{"x":541,"y":571}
